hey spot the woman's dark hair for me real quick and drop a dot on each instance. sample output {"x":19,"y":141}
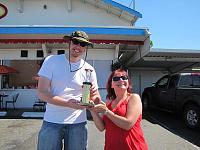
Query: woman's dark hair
{"x":110,"y":91}
{"x":118,"y":65}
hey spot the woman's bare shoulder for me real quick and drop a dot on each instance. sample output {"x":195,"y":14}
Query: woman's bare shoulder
{"x":134,"y":97}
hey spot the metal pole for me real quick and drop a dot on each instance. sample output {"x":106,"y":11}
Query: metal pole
{"x":133,"y":6}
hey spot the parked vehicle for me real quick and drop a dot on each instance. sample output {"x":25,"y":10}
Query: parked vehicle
{"x":177,"y":93}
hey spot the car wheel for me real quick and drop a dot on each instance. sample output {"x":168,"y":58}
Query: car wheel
{"x":145,"y":103}
{"x":192,"y":116}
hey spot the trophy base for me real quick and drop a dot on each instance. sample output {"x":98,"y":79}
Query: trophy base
{"x":87,"y":104}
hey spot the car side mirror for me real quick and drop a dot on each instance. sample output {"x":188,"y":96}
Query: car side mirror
{"x":153,"y":84}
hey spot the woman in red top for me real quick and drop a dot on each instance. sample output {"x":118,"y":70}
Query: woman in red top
{"x":122,"y":115}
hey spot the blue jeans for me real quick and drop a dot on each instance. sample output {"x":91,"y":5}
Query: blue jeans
{"x":51,"y":136}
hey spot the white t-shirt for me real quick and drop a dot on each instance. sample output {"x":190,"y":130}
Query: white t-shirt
{"x":67,"y":85}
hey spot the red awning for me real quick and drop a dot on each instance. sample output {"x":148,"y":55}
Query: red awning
{"x":7,"y":70}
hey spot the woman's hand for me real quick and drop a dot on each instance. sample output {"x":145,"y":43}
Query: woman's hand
{"x":94,"y":94}
{"x":100,"y":108}
{"x":91,"y":106}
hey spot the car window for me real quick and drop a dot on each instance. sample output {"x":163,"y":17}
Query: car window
{"x":196,"y":80}
{"x":162,"y":83}
{"x":186,"y":80}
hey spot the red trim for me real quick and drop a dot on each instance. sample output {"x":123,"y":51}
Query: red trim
{"x":24,"y":41}
{"x":6,"y":10}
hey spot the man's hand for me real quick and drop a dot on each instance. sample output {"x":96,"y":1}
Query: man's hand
{"x":94,"y":94}
{"x":75,"y":104}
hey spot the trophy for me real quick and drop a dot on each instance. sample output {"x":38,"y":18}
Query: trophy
{"x":86,"y":89}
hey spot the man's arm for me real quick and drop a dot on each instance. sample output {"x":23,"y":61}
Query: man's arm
{"x":44,"y":94}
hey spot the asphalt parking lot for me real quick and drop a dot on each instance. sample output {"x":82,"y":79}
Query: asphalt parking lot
{"x":21,"y":134}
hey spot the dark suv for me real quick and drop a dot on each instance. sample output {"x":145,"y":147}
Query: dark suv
{"x":178,"y":93}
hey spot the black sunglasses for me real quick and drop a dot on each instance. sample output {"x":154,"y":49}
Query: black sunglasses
{"x":118,"y":78}
{"x":76,"y":42}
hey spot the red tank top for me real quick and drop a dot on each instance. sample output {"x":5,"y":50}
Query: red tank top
{"x":117,"y":138}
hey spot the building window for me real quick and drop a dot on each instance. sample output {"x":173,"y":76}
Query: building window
{"x":24,"y":53}
{"x":60,"y":52}
{"x":26,"y":77}
{"x":40,"y":53}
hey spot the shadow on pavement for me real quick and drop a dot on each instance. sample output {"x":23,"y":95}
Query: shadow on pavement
{"x":18,"y":114}
{"x":174,"y":124}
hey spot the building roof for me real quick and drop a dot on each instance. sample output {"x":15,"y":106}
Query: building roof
{"x":171,"y":60}
{"x":111,"y":7}
{"x":117,"y":9}
{"x":67,"y":30}
{"x":123,"y":8}
{"x":125,"y":35}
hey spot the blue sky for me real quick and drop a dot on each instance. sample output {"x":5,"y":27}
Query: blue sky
{"x":174,"y":24}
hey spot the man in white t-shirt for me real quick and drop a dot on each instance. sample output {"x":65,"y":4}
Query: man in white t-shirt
{"x":60,"y":85}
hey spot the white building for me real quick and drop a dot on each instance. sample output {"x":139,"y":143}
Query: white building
{"x":33,"y":29}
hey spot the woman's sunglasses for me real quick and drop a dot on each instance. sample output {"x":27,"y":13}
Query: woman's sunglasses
{"x":118,"y":78}
{"x":76,"y":42}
